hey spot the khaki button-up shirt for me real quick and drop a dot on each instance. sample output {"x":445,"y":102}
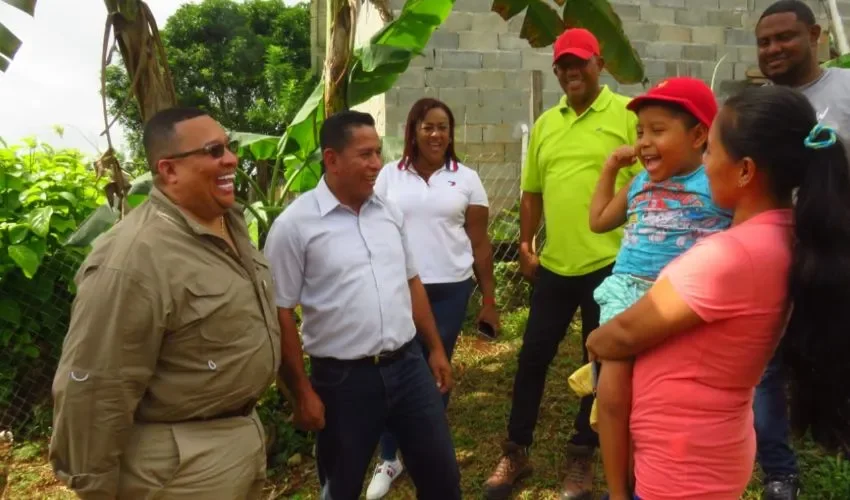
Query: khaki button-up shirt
{"x":169,"y":324}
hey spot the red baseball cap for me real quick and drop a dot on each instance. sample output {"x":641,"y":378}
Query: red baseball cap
{"x":690,"y":93}
{"x":578,"y":42}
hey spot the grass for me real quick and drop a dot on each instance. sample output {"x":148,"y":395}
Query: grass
{"x":478,"y":415}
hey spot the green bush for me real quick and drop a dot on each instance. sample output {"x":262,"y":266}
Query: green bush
{"x":44,"y":196}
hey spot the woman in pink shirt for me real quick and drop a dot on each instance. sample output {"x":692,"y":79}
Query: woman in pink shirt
{"x":703,"y":334}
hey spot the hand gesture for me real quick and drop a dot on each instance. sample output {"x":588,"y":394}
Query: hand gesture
{"x":623,"y":156}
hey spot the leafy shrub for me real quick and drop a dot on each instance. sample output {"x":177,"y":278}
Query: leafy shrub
{"x":44,"y":196}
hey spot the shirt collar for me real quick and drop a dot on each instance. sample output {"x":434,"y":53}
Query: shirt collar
{"x":170,"y":210}
{"x":328,"y":201}
{"x":600,"y":103}
{"x":407,"y":164}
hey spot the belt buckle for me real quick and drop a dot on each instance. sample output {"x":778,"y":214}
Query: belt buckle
{"x":376,"y":359}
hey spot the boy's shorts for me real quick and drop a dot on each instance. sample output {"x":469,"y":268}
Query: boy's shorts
{"x":617,"y":293}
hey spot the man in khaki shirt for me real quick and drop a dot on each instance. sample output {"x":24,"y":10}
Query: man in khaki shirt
{"x":173,"y":337}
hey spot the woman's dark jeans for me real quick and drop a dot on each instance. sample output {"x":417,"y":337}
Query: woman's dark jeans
{"x":448,"y":303}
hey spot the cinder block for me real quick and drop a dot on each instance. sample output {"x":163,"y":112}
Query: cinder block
{"x":500,"y":170}
{"x":518,"y":114}
{"x":502,"y":59}
{"x":740,"y":37}
{"x":551,"y":98}
{"x":473,"y":5}
{"x":708,"y":35}
{"x":500,"y":97}
{"x":471,"y":134}
{"x":474,"y":40}
{"x":412,"y":78}
{"x":458,"y":59}
{"x":669,"y":3}
{"x":650,"y":14}
{"x":664,"y":50}
{"x":748,"y":54}
{"x":741,"y":71}
{"x":725,"y":71}
{"x":406,"y":97}
{"x":733,"y":4}
{"x":699,"y":52}
{"x":520,"y":79}
{"x":691,"y":17}
{"x":702,"y":4}
{"x":426,"y":60}
{"x":483,"y":153}
{"x":512,"y":41}
{"x":727,"y":19}
{"x":532,"y":59}
{"x":513,"y":152}
{"x":483,"y":115}
{"x":485,"y":79}
{"x":391,"y":97}
{"x":443,"y":40}
{"x":489,"y":23}
{"x":445,"y":78}
{"x":499,"y":133}
{"x":655,"y":68}
{"x":673,"y":33}
{"x":642,"y":31}
{"x":458,"y":21}
{"x":458,"y":96}
{"x":627,"y":12}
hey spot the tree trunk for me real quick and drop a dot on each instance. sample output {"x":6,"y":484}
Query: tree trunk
{"x":141,"y":49}
{"x":340,"y":37}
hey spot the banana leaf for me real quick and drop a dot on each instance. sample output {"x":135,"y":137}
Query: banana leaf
{"x":9,"y":43}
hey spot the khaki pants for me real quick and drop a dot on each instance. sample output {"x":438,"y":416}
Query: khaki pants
{"x":217,"y":459}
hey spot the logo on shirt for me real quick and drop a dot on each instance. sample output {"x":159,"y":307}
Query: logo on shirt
{"x":452,"y":183}
{"x":822,"y":114}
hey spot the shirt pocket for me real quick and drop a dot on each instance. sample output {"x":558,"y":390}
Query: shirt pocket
{"x":210,"y":308}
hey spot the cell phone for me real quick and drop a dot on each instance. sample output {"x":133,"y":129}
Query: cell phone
{"x":486,"y":330}
{"x":594,"y":370}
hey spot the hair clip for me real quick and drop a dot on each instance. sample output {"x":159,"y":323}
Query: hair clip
{"x":812,"y":141}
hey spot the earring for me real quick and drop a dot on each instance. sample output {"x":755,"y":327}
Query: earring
{"x":741,"y":183}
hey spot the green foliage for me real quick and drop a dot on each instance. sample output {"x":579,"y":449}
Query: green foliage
{"x":542,"y":25}
{"x":246,"y":63}
{"x":45,"y":195}
{"x":285,"y":441}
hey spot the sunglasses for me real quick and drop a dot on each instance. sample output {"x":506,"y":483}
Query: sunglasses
{"x":215,"y":150}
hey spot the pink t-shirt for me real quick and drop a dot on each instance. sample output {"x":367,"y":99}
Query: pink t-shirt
{"x":692,"y":419}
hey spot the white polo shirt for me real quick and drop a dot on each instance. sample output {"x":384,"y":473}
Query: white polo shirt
{"x":435,"y":214}
{"x":349,"y":272}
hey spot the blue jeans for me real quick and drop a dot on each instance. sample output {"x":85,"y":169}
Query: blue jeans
{"x":448,"y":303}
{"x":770,"y":408}
{"x":361,"y":400}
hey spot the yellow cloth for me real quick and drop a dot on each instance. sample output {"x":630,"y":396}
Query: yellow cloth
{"x":581,"y":382}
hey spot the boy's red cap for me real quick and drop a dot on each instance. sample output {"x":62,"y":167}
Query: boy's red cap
{"x":578,"y":42}
{"x":690,"y":93}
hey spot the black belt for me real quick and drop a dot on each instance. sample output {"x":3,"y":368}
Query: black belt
{"x":242,"y":411}
{"x":382,"y":359}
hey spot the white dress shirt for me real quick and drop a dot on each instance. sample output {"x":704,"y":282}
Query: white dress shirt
{"x":435,"y":216}
{"x":348,"y":272}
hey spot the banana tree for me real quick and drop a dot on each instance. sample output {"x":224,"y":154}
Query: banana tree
{"x":9,"y":43}
{"x":542,"y":25}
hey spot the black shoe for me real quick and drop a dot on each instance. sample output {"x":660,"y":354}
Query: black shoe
{"x":781,"y":488}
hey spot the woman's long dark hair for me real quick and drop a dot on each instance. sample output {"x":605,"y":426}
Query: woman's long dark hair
{"x":417,"y":113}
{"x":770,"y":125}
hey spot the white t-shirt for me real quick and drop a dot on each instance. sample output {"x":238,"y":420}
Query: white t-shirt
{"x":434,"y":216}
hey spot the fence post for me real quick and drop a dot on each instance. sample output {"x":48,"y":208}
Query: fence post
{"x":535,"y":109}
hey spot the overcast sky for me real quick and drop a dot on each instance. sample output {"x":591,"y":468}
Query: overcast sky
{"x":55,"y":77}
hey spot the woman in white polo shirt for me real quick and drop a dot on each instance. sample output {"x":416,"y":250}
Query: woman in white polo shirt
{"x":445,"y":212}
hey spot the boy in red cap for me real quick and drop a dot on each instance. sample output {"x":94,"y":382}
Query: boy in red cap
{"x":567,"y":149}
{"x":666,"y":208}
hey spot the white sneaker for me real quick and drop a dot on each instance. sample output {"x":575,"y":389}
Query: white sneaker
{"x":385,"y":473}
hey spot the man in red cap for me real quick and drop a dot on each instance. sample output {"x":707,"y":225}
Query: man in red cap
{"x":569,"y":144}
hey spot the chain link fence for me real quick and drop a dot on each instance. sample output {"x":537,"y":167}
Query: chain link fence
{"x":36,"y":318}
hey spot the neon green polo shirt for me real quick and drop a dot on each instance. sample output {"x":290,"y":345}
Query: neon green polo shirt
{"x":565,"y":157}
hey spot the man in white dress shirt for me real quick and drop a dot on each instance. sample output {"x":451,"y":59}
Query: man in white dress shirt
{"x":342,"y":254}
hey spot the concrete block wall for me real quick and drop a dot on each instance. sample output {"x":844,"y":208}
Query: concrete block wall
{"x":478,"y":64}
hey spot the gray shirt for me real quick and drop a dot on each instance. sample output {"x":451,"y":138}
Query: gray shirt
{"x":348,"y":271}
{"x":830,"y":96}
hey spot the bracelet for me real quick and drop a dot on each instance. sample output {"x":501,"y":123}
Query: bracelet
{"x":488,"y":301}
